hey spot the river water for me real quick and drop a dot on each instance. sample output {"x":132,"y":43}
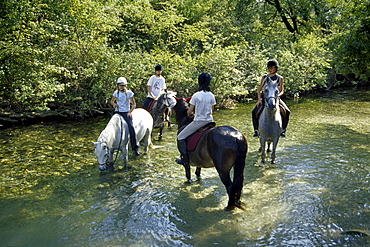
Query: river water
{"x":317,"y":194}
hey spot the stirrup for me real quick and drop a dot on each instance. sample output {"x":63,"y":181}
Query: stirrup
{"x":282,"y":134}
{"x":182,"y":162}
{"x":256,"y":133}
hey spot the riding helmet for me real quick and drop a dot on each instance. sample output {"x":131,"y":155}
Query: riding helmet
{"x":204,"y":80}
{"x":158,"y":67}
{"x":273,"y":63}
{"x":121,"y":81}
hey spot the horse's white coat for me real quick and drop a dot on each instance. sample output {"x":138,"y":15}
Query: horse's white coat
{"x":109,"y":138}
{"x":270,"y":121}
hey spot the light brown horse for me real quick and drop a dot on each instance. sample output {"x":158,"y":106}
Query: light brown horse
{"x":221,"y":147}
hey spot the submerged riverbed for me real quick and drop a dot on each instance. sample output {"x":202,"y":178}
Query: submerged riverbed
{"x":317,"y":194}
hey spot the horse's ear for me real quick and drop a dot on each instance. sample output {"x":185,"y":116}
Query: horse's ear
{"x":95,"y":143}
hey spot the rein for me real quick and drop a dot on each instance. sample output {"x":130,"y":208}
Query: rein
{"x":120,"y":140}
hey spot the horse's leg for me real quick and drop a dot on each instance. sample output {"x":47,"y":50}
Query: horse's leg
{"x":168,"y":116}
{"x":125,"y":154}
{"x":273,"y":154}
{"x":147,"y":140}
{"x":197,"y":172}
{"x":187,"y":172}
{"x":234,"y":198}
{"x":263,"y":149}
{"x":268,"y":147}
{"x":226,"y":180}
{"x":161,"y":126}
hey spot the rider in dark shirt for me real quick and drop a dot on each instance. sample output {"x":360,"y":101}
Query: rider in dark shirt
{"x":272,"y":66}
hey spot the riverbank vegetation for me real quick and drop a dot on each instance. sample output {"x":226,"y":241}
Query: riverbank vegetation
{"x":62,"y":58}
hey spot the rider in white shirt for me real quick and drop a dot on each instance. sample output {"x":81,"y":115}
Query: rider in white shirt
{"x":202,"y":102}
{"x":155,"y":86}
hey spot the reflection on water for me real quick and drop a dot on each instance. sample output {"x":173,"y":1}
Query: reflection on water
{"x":52,"y":193}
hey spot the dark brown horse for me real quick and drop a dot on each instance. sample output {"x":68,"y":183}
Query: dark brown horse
{"x":221,"y":147}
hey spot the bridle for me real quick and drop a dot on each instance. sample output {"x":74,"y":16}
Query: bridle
{"x":106,"y":155}
{"x":107,"y":149}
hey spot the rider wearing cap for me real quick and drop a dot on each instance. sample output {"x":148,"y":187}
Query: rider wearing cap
{"x":121,"y":102}
{"x":202,"y":103}
{"x":272,"y":66}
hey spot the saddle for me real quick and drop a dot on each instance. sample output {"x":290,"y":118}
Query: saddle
{"x":192,"y":140}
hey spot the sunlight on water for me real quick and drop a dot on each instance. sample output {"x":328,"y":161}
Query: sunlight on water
{"x":317,"y":194}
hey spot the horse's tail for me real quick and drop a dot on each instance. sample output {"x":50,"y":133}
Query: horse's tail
{"x":237,"y":186}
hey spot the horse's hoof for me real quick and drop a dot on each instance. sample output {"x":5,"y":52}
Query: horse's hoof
{"x":187,"y":181}
{"x":230,"y":208}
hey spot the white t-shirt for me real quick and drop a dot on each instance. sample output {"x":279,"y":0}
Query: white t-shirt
{"x":203,"y":102}
{"x":157,"y":84}
{"x":123,"y":100}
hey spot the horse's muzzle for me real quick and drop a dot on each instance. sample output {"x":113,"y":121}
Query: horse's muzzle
{"x":102,"y":167}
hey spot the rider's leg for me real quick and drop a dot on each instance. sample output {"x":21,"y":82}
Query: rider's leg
{"x":184,"y":160}
{"x":148,"y":101}
{"x":131,"y":129}
{"x":255,"y":120}
{"x":285,"y":119}
{"x":181,"y":140}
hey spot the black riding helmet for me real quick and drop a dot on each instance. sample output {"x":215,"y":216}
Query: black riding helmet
{"x":158,"y":67}
{"x":204,"y":80}
{"x":272,"y":63}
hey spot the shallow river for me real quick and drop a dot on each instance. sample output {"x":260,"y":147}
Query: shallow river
{"x":317,"y":194}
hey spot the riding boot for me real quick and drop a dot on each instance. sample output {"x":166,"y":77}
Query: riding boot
{"x":255,"y":122}
{"x":284,"y":123}
{"x":255,"y":125}
{"x":136,"y":151}
{"x":181,"y":145}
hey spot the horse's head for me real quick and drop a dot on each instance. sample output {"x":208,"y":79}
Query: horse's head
{"x":159,"y":110}
{"x":270,"y":93}
{"x":102,"y":153}
{"x":167,"y":99}
{"x":181,"y":109}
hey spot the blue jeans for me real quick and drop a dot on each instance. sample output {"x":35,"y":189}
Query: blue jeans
{"x":130,"y":129}
{"x":147,"y":103}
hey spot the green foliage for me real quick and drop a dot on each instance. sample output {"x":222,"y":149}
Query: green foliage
{"x":351,"y":40}
{"x":304,"y":64}
{"x":70,"y":53}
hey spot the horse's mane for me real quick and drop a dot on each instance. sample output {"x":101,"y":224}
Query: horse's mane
{"x":181,"y":109}
{"x":109,"y":131}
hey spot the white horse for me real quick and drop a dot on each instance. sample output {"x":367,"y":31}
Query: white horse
{"x":116,"y":136}
{"x":270,"y":120}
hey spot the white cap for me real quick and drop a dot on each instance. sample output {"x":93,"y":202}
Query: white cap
{"x":121,"y":80}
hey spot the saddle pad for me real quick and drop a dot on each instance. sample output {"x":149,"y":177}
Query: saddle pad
{"x":194,"y":139}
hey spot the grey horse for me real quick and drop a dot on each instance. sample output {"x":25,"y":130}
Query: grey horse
{"x":270,"y":120}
